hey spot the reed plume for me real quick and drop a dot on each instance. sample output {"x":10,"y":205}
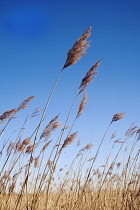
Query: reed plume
{"x":53,"y":124}
{"x":8,"y":114}
{"x":45,"y":146}
{"x":25,"y":103}
{"x":78,"y":50}
{"x":82,"y":105}
{"x":30,"y":149}
{"x":118,"y":116}
{"x":90,"y":75}
{"x":69,"y":140}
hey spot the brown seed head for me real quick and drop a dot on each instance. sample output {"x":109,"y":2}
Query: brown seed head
{"x":78,"y":50}
{"x":36,"y":112}
{"x":26,"y":141}
{"x":17,"y":145}
{"x":131,"y":130}
{"x":90,"y":75}
{"x":45,"y":146}
{"x":69,"y":140}
{"x":8,"y":114}
{"x":87,"y":147}
{"x":82,"y":105}
{"x":21,"y":148}
{"x":118,"y":116}
{"x":49,"y":163}
{"x":25,"y":103}
{"x":36,"y":162}
{"x":53,"y":124}
{"x":114,"y":134}
{"x":119,"y":164}
{"x":118,"y":141}
{"x":29,"y":149}
{"x":10,"y":147}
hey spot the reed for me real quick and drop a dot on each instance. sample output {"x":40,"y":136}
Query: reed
{"x":30,"y":173}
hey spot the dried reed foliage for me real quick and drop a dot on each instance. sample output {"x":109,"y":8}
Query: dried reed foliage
{"x":45,"y":146}
{"x":114,"y":134}
{"x":90,"y":75}
{"x":36,"y":162}
{"x":17,"y":145}
{"x":30,"y":149}
{"x":87,"y":147}
{"x":26,"y":141}
{"x":79,"y":49}
{"x":25,"y":103}
{"x":53,"y":124}
{"x":82,"y":105}
{"x":10,"y":147}
{"x":118,"y":116}
{"x":36,"y":112}
{"x":69,"y":140}
{"x":8,"y":114}
{"x":21,"y":146}
{"x":109,"y":186}
{"x":131,"y":131}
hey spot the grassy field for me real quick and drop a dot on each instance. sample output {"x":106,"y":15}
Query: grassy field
{"x":30,"y":176}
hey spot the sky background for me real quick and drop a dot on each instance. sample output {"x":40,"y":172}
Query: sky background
{"x":35,"y":37}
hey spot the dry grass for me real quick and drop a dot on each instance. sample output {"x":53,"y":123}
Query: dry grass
{"x":30,"y":177}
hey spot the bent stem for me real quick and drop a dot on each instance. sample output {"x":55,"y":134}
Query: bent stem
{"x":35,"y":138}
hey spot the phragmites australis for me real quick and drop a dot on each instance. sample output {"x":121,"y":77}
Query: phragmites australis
{"x":133,"y":129}
{"x":82,"y":105}
{"x":8,"y":114}
{"x":90,"y":75}
{"x":36,"y":112}
{"x":45,"y":146}
{"x":30,"y":149}
{"x":118,"y":116}
{"x":21,"y":147}
{"x":36,"y":162}
{"x":79,"y":49}
{"x":25,"y":103}
{"x":69,"y":140}
{"x":53,"y":124}
{"x":87,"y":147}
{"x":10,"y":147}
{"x":26,"y":141}
{"x":114,"y":134}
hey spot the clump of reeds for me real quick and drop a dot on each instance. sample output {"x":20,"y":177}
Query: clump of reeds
{"x":30,"y":175}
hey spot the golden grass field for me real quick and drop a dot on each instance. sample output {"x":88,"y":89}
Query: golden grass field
{"x":30,"y":176}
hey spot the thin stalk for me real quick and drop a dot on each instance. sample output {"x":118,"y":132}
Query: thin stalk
{"x":93,"y":164}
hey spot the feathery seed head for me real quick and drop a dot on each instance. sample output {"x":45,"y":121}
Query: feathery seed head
{"x":26,"y":141}
{"x":29,"y":149}
{"x":10,"y":147}
{"x":45,"y":146}
{"x":8,"y":114}
{"x":82,"y":105}
{"x":131,"y":130}
{"x":78,"y":50}
{"x":87,"y":147}
{"x":69,"y":140}
{"x":118,"y":116}
{"x":36,"y":162}
{"x":90,"y":75}
{"x":25,"y":103}
{"x":53,"y":124}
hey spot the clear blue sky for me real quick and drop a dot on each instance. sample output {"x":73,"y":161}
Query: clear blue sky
{"x":35,"y":37}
